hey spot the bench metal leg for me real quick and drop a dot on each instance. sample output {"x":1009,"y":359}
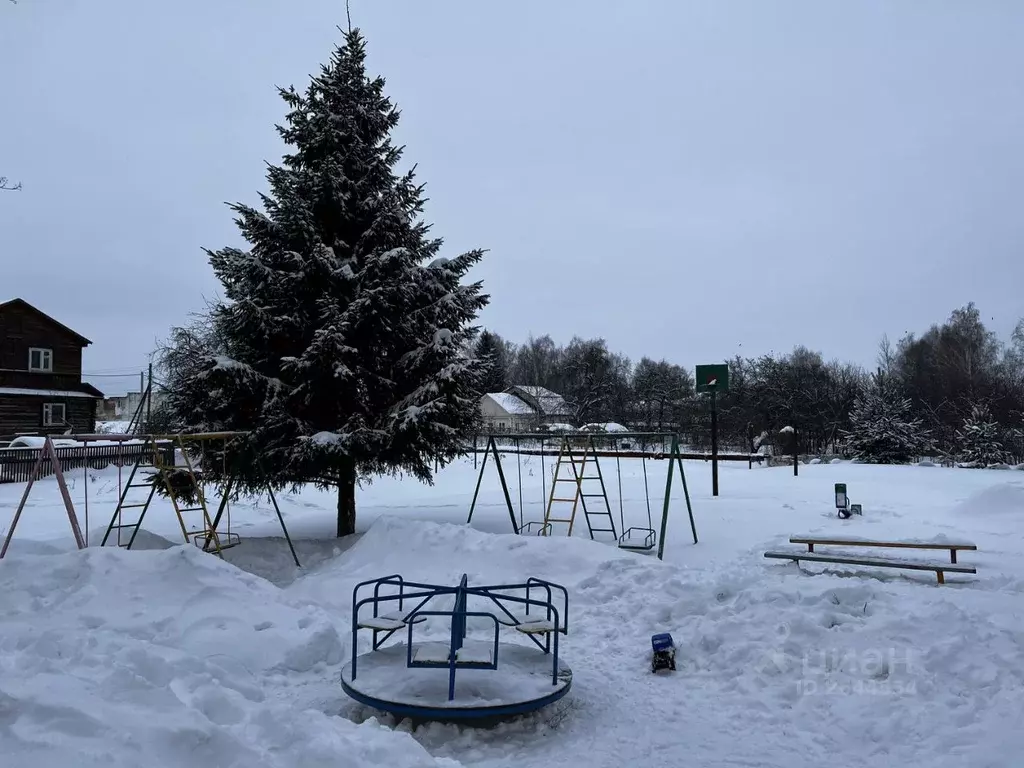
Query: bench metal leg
{"x":810,"y":547}
{"x":952,"y":555}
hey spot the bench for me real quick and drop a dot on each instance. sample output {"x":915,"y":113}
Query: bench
{"x":535,"y":627}
{"x":843,"y":542}
{"x":940,"y":569}
{"x":388,"y":622}
{"x":439,"y":655}
{"x":528,"y":624}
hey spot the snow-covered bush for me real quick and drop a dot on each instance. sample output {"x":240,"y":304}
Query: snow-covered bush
{"x":980,"y":440}
{"x":883,"y":429}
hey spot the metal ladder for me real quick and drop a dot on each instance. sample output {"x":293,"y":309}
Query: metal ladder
{"x":579,"y":499}
{"x":150,"y":459}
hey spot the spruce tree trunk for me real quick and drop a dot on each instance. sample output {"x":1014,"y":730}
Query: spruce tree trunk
{"x":346,"y":498}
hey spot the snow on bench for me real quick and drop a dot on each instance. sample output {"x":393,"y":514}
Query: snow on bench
{"x":528,"y":623}
{"x":438,"y":653}
{"x":940,"y":569}
{"x":389,"y":621}
{"x":470,"y":655}
{"x":516,"y":618}
{"x":536,"y":627}
{"x":840,"y":541}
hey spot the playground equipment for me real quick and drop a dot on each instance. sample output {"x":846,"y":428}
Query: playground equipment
{"x":47,"y":454}
{"x":153,"y":466}
{"x":637,"y":537}
{"x":578,"y":464}
{"x":183,"y":486}
{"x":713,"y":379}
{"x":417,"y":677}
{"x":580,"y":454}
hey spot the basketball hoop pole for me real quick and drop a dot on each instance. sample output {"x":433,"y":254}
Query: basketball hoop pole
{"x":713,"y":379}
{"x":714,"y":441}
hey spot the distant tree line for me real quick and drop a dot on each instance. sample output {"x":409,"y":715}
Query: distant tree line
{"x":955,"y":392}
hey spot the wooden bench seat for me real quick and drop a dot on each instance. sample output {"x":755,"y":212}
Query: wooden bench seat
{"x":387,"y":622}
{"x":953,"y":547}
{"x":536,"y":627}
{"x":520,"y":619}
{"x":439,"y":655}
{"x":940,"y":569}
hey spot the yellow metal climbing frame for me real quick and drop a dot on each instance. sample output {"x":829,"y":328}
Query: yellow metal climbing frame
{"x":152,"y":458}
{"x":580,"y":461}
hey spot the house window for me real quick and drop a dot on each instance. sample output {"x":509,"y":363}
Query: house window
{"x":53,"y":414}
{"x":40,"y":359}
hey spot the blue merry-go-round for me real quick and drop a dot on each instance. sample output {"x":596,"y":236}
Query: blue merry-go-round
{"x":465,"y":676}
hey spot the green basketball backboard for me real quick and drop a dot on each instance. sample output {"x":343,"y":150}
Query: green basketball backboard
{"x":713,"y":378}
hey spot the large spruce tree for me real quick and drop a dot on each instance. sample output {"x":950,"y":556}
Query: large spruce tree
{"x":340,"y":347}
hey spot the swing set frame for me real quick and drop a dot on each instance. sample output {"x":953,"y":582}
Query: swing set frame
{"x":151,"y":459}
{"x":587,"y":444}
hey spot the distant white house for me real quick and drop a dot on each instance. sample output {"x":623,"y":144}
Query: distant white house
{"x":524,"y":408}
{"x":549,"y":406}
{"x":505,"y":411}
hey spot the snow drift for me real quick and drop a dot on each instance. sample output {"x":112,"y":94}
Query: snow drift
{"x":1004,"y":499}
{"x":169,"y":658}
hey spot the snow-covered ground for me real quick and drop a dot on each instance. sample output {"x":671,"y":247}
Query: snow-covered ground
{"x":170,"y":657}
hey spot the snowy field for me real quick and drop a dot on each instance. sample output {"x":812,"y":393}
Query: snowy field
{"x":166,"y":656}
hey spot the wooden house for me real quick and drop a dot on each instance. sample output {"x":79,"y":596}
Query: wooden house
{"x":41,"y":387}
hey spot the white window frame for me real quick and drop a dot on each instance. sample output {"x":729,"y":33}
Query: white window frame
{"x":45,"y":359}
{"x":48,"y":417}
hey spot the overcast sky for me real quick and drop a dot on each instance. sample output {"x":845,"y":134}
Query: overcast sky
{"x":686,"y":180}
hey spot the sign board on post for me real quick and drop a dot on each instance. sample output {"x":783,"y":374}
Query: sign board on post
{"x":713,"y":379}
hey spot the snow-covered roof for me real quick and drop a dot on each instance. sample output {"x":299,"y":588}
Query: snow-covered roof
{"x":511,"y":404}
{"x":544,"y":400}
{"x":559,"y":427}
{"x":46,"y":392}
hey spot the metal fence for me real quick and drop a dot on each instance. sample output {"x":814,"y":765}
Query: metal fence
{"x":16,"y":464}
{"x":629,"y":445}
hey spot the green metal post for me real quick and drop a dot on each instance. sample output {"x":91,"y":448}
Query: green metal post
{"x":673,"y":459}
{"x":668,"y":496}
{"x":504,"y":487}
{"x":479,"y":479}
{"x":493,"y":446}
{"x":686,"y":493}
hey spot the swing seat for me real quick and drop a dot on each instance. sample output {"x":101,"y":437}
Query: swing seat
{"x":205,"y":541}
{"x":638,"y":539}
{"x":544,"y":529}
